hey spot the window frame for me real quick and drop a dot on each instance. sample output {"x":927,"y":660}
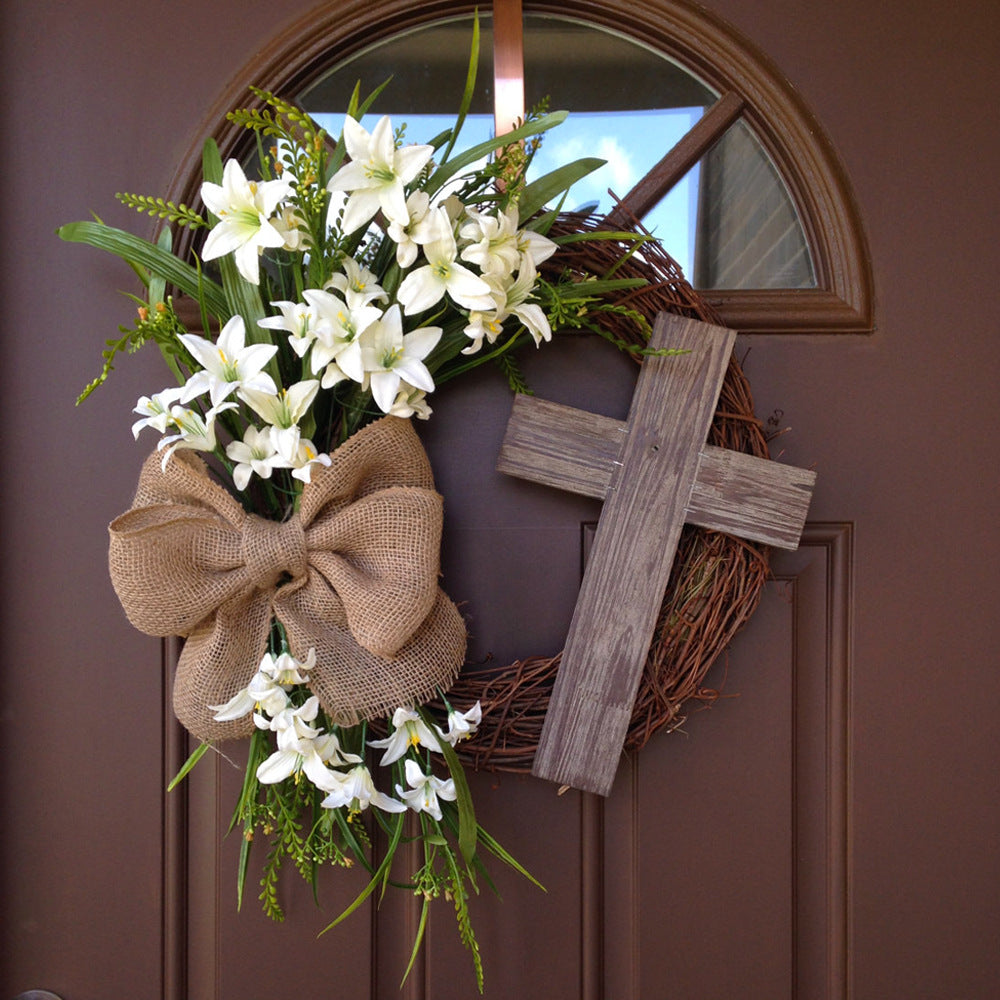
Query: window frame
{"x":749,"y":85}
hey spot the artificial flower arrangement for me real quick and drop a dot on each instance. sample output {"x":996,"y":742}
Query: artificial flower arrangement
{"x":299,"y":555}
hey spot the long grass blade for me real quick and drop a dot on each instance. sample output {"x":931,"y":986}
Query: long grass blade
{"x":136,"y":251}
{"x":380,"y":874}
{"x":446,"y":171}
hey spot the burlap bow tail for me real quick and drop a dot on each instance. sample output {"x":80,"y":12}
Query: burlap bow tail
{"x":353,"y":573}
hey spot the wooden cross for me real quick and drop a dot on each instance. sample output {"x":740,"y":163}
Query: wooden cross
{"x":655,"y":473}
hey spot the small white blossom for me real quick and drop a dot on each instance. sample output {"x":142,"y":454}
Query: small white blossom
{"x":242,"y":703}
{"x":285,"y":670}
{"x":283,"y":411}
{"x":462,"y":725}
{"x":305,"y":459}
{"x":424,"y":226}
{"x":409,"y":730}
{"x":298,"y":319}
{"x":425,"y":790}
{"x":442,"y":274}
{"x":356,"y":790}
{"x":155,"y":410}
{"x":254,"y":454}
{"x":410,"y":402}
{"x":193,"y":430}
{"x":338,"y":332}
{"x":493,"y":241}
{"x":357,"y":285}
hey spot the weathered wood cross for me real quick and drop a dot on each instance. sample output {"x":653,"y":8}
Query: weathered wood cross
{"x":655,"y":473}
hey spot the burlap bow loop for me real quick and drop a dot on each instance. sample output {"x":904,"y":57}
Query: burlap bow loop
{"x":352,"y":574}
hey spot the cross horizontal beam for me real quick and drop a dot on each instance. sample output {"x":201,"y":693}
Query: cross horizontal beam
{"x":573,"y":450}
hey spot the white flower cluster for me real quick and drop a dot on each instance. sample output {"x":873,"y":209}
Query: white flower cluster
{"x":305,"y":749}
{"x":477,"y":262}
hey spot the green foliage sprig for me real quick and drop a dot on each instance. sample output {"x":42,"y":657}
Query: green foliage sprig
{"x":160,"y":208}
{"x":158,"y":324}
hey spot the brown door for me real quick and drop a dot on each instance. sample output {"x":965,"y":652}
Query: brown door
{"x":826,"y":832}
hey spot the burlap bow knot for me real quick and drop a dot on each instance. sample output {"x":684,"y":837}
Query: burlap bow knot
{"x":353,"y":573}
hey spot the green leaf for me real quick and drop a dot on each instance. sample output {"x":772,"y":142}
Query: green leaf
{"x":157,"y":283}
{"x":470,"y":88}
{"x":507,"y":858}
{"x":418,"y":939}
{"x":141,"y":253}
{"x":539,"y":193}
{"x":448,"y":170}
{"x":188,"y":765}
{"x":242,"y":867}
{"x":576,"y":290}
{"x":463,"y":797}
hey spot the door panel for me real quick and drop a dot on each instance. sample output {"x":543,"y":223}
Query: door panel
{"x":828,"y":831}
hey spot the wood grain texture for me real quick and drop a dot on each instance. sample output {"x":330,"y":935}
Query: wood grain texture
{"x":636,"y":541}
{"x":577,"y":451}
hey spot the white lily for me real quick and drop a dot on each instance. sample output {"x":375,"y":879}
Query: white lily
{"x":425,"y":790}
{"x":254,"y":454}
{"x":534,"y":246}
{"x":228,"y":364}
{"x":529,"y":313}
{"x":427,"y":285}
{"x":305,"y":458}
{"x":283,"y":411}
{"x":244,"y":210}
{"x":300,"y":749}
{"x":409,"y":730}
{"x":296,"y":754}
{"x":242,"y":703}
{"x":390,"y":356}
{"x":424,"y":227}
{"x":377,"y":174}
{"x":484,"y":326}
{"x":155,"y":410}
{"x":298,"y":319}
{"x":356,"y":790}
{"x":338,"y":330}
{"x":285,"y":670}
{"x":357,"y":285}
{"x":493,"y":241}
{"x":462,"y":725}
{"x":292,"y":227}
{"x":410,"y":402}
{"x":193,"y":430}
{"x":270,"y":698}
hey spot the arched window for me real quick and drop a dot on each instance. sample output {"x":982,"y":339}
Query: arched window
{"x":705,"y":142}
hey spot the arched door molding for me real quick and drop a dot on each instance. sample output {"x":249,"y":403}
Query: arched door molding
{"x":751,"y":89}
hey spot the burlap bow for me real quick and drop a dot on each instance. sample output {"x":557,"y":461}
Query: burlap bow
{"x":353,"y":573}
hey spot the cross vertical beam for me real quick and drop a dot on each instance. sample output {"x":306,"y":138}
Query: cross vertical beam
{"x":627,"y":573}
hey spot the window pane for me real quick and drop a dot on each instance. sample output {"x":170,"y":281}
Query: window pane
{"x":748,"y":232}
{"x":729,"y":223}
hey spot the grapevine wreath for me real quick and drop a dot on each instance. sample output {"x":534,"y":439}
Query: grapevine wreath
{"x":286,"y":523}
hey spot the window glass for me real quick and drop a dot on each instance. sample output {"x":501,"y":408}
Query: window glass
{"x":749,"y":235}
{"x":628,"y":105}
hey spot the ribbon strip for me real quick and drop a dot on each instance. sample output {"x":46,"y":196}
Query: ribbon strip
{"x":353,"y":573}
